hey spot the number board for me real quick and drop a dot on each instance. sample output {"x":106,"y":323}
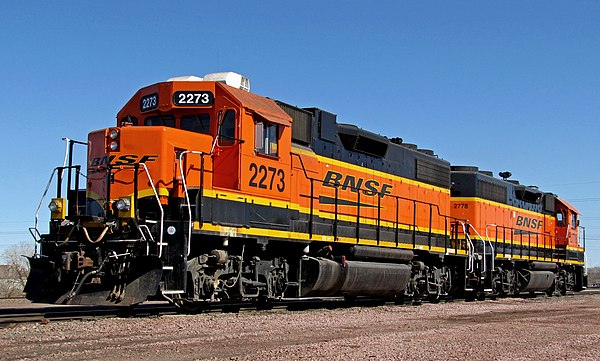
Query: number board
{"x":191,"y":98}
{"x":149,"y":102}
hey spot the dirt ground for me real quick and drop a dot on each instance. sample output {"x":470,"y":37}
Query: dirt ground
{"x":560,"y":328}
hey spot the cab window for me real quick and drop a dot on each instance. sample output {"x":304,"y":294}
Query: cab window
{"x":161,"y":121}
{"x":199,"y":123}
{"x":227,"y":128}
{"x":130,"y":120}
{"x":266,"y":138}
{"x":574,"y":220}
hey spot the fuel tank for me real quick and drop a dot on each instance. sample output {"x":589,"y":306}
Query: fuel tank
{"x":535,"y":281}
{"x":324,"y":277}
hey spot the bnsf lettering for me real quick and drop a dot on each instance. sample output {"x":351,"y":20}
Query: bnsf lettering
{"x":529,"y":222}
{"x":123,"y":159}
{"x":102,"y":161}
{"x":370,"y":187}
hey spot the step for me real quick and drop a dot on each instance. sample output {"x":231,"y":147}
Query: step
{"x":172,"y":292}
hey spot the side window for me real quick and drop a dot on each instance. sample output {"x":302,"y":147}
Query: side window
{"x":227,"y":129}
{"x":560,"y":219}
{"x":161,"y":121}
{"x":574,"y":220}
{"x":266,"y":139}
{"x":199,"y":123}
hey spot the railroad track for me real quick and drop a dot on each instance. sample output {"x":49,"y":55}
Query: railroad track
{"x":12,"y":316}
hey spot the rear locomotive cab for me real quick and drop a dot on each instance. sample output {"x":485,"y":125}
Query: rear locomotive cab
{"x":520,"y":233}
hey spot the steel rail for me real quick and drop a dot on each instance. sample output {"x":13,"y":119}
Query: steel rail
{"x":12,"y":316}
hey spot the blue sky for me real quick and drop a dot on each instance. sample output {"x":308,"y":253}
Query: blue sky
{"x":510,"y":85}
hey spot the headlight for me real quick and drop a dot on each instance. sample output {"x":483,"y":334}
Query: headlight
{"x":123,"y":205}
{"x":114,"y":145}
{"x":113,"y":134}
{"x":54,"y":206}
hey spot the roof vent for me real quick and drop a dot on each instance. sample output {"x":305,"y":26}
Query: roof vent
{"x":230,"y":78}
{"x":185,"y":78}
{"x":464,"y":168}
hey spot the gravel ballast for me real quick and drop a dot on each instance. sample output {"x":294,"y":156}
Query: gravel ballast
{"x":559,"y":328}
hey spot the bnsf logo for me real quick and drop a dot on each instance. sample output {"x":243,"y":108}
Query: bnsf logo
{"x":370,"y":187}
{"x":529,"y":222}
{"x":122,"y":159}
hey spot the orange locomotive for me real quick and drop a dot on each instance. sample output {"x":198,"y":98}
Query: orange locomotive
{"x":207,"y":192}
{"x":529,"y":240}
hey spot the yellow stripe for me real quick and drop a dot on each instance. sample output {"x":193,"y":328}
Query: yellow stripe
{"x":514,"y":243}
{"x":244,"y":198}
{"x":534,"y":258}
{"x":150,"y":193}
{"x":373,"y":172}
{"x":238,"y":231}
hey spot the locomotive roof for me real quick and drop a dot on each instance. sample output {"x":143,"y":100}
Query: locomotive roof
{"x":264,"y":107}
{"x":568,"y":205}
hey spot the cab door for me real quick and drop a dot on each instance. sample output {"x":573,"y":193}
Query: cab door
{"x":226,"y":155}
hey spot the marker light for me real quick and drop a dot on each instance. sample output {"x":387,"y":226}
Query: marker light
{"x":113,"y":134}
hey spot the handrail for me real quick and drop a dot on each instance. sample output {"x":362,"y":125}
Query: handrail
{"x":469,"y":245}
{"x":312,"y":190}
{"x":185,"y":188}
{"x":358,"y":190}
{"x":512,"y":239}
{"x":482,"y":241}
{"x":160,"y":207}
{"x":135,"y":167}
{"x":37,"y":212}
{"x":59,"y":171}
{"x":491,"y":245}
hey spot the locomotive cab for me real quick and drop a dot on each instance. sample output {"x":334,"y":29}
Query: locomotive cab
{"x":174,"y":143}
{"x":569,"y":239}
